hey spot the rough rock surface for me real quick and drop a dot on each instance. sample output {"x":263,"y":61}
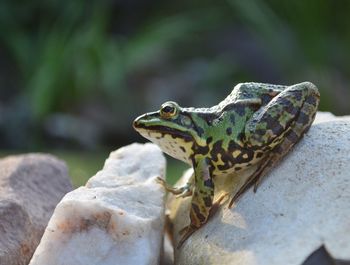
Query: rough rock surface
{"x":30,"y":188}
{"x":117,"y":218}
{"x":302,"y":204}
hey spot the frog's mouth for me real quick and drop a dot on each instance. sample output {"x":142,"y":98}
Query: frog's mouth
{"x":147,"y":130}
{"x":146,"y":125}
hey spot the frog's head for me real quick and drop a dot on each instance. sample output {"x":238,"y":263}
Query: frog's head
{"x":172,"y":128}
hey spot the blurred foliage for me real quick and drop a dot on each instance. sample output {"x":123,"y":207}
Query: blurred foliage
{"x":74,"y":74}
{"x":84,"y":165}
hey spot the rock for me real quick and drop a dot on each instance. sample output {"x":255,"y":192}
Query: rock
{"x":30,"y":188}
{"x":300,"y":206}
{"x":327,"y":116}
{"x":117,"y":218}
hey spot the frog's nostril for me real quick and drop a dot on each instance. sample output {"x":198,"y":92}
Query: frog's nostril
{"x":139,"y":121}
{"x":135,"y":123}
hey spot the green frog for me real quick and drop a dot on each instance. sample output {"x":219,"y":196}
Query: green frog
{"x":257,"y":124}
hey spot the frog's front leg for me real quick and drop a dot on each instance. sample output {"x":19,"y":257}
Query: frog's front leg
{"x":202,"y":198}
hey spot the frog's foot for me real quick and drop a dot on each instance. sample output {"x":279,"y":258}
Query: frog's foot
{"x":185,"y":233}
{"x":187,"y":192}
{"x":182,"y":192}
{"x":216,"y":205}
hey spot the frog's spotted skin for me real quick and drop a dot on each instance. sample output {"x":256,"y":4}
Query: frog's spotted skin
{"x":256,"y":124}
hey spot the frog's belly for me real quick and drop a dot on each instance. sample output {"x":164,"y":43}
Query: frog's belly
{"x":228,"y":163}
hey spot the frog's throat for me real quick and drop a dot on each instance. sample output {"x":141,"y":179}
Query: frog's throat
{"x":173,"y":142}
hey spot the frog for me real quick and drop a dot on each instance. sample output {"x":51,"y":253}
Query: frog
{"x":257,"y":124}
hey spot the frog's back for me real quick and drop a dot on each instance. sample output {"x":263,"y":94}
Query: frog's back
{"x":244,"y":91}
{"x":233,"y":111}
{"x":239,"y":92}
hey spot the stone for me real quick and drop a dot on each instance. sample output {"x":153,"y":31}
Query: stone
{"x":30,"y":187}
{"x":300,"y":205}
{"x":327,"y":116}
{"x":117,"y":218}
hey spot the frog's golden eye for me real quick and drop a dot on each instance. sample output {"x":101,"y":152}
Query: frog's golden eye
{"x":169,"y":110}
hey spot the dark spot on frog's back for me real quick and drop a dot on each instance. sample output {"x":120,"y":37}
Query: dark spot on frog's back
{"x":183,"y":149}
{"x":292,"y":136}
{"x":297,"y":94}
{"x":274,"y":125}
{"x":292,"y":110}
{"x":199,"y":149}
{"x":303,"y":118}
{"x":229,"y":131}
{"x":207,"y":117}
{"x":200,"y":131}
{"x":284,"y":102}
{"x":209,"y":140}
{"x":240,"y":109}
{"x":232,"y":118}
{"x":311,"y":100}
{"x":233,"y":146}
{"x":216,"y":149}
{"x":265,"y":99}
{"x":277,"y":129}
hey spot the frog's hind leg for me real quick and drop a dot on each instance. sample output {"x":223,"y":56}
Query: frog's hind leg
{"x":255,"y":178}
{"x":294,"y":108}
{"x":279,"y":126}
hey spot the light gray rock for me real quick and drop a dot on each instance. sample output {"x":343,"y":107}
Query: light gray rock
{"x":302,"y":204}
{"x":30,"y":188}
{"x":327,"y":116}
{"x":117,"y":218}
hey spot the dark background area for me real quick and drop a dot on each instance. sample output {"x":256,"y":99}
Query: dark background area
{"x":74,"y":74}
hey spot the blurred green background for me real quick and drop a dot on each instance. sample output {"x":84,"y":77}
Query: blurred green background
{"x":74,"y":74}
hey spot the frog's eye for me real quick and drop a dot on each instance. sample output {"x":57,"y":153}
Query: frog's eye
{"x":169,"y":109}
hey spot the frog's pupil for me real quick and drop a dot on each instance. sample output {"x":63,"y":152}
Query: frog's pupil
{"x":168,"y":109}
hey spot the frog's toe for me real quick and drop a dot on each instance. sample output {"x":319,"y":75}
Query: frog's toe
{"x":185,"y":233}
{"x":161,"y":181}
{"x":168,"y":188}
{"x":256,"y":184}
{"x":186,"y":193}
{"x":216,"y":205}
{"x":183,"y":230}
